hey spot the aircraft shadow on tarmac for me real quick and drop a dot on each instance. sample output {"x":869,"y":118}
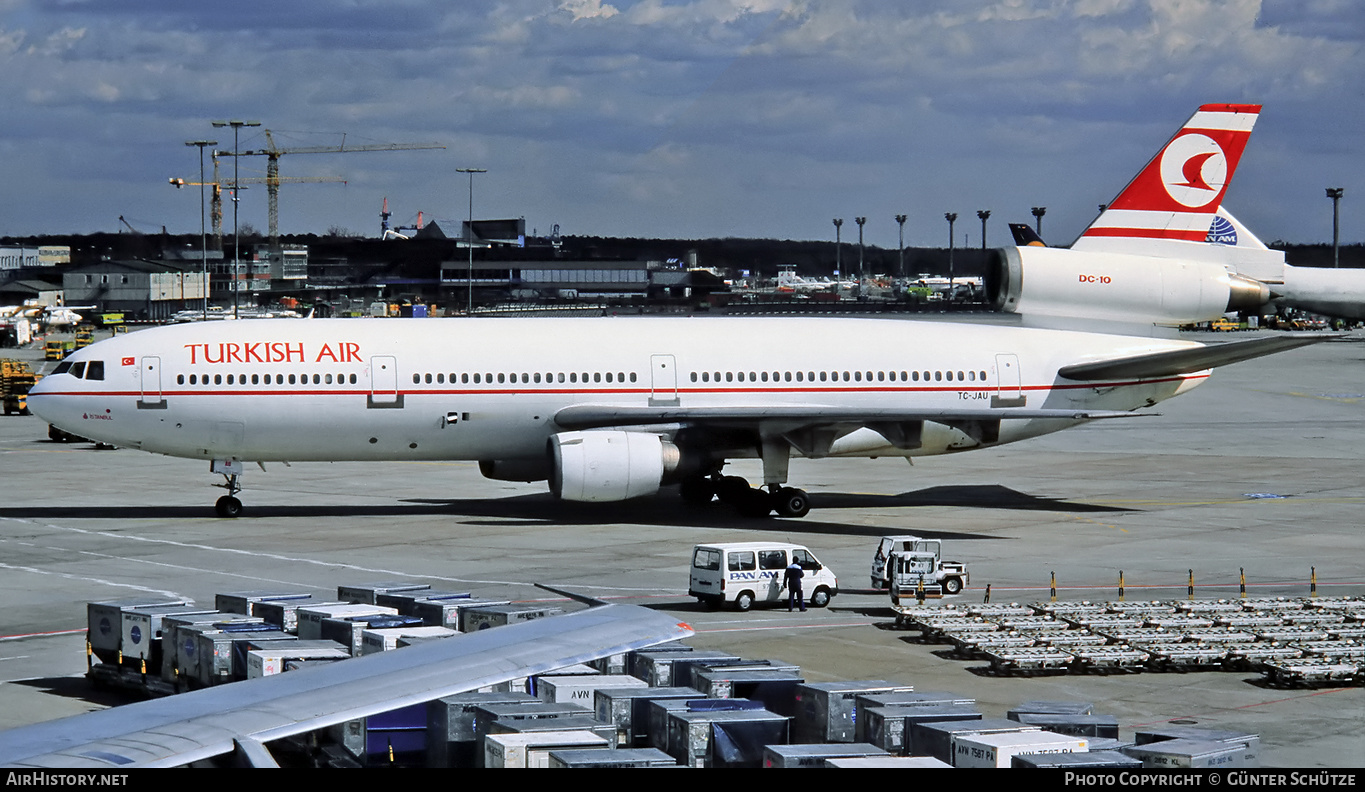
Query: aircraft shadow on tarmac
{"x":662,"y":510}
{"x":80,"y":689}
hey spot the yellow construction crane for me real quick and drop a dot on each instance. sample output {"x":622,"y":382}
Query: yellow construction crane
{"x":272,"y":171}
{"x":216,"y":201}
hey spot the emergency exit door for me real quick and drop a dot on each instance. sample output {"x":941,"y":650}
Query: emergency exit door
{"x":663,"y":381}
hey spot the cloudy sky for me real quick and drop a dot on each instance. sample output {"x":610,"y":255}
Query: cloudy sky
{"x":675,"y":118}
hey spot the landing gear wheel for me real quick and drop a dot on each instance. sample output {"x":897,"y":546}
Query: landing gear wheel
{"x":228,"y":506}
{"x":791,"y":502}
{"x":732,"y":489}
{"x":755,"y":503}
{"x":698,"y":491}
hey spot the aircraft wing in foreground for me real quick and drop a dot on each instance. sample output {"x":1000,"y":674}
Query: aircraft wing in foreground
{"x":244,"y":716}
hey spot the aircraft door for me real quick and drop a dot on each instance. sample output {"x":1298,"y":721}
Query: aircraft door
{"x":1008,"y":382}
{"x":150,"y":369}
{"x":384,"y":382}
{"x":663,"y":381}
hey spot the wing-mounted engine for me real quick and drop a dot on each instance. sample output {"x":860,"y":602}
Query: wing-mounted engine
{"x":612,"y":465}
{"x":1117,"y":287}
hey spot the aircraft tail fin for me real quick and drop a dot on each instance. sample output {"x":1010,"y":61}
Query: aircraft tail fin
{"x":1025,"y":236}
{"x":1177,"y":194}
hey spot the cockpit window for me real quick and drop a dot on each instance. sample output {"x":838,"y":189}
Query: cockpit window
{"x":95,"y":370}
{"x":62,"y":367}
{"x":78,"y":369}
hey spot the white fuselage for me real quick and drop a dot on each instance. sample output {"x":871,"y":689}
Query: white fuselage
{"x":481,"y":389}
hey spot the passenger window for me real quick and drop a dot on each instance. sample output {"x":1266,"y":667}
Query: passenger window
{"x":772,"y":559}
{"x":95,"y":370}
{"x":194,"y":380}
{"x":317,"y":379}
{"x":291,"y":379}
{"x":741,"y":561}
{"x":217,"y":379}
{"x":706,"y":559}
{"x":329,"y":379}
{"x":255,"y":379}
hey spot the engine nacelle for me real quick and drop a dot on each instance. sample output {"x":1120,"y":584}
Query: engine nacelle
{"x":609,"y":465}
{"x":534,"y":469}
{"x":1117,"y":287}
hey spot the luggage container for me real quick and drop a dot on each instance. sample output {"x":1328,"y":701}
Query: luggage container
{"x":310,"y":617}
{"x":1189,"y":753}
{"x":487,"y":714}
{"x":581,"y":689}
{"x":393,"y":738}
{"x":275,"y":657}
{"x":997,"y":750}
{"x":660,"y":709}
{"x":815,"y":754}
{"x":628,"y":709}
{"x":889,"y":727}
{"x":531,"y":684}
{"x":404,"y":600}
{"x":447,"y":612}
{"x":1089,"y":726}
{"x":935,"y":738}
{"x":104,"y":622}
{"x":368,"y":593}
{"x":888,"y":762}
{"x":674,"y":669}
{"x":346,"y":630}
{"x":726,"y":738}
{"x":486,"y":616}
{"x":1171,"y":731}
{"x":452,"y":739}
{"x":285,"y":613}
{"x":1037,"y":707}
{"x":596,"y":758}
{"x":214,"y":652}
{"x":141,"y":633}
{"x":533,"y":749}
{"x":1074,"y":761}
{"x":613,"y":665}
{"x":636,"y":660}
{"x":827,"y":712}
{"x":384,"y":639}
{"x":775,"y":687}
{"x":584,"y":722}
{"x":179,"y":639}
{"x":245,"y":602}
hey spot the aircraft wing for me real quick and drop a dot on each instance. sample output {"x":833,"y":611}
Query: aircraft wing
{"x":593,"y":416}
{"x":1187,"y":361}
{"x":244,"y":715}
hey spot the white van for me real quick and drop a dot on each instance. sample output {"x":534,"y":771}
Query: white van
{"x":743,"y":573}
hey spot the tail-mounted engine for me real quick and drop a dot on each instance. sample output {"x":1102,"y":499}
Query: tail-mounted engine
{"x":1117,"y":287}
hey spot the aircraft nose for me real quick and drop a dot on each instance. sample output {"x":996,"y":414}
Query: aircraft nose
{"x":39,"y":400}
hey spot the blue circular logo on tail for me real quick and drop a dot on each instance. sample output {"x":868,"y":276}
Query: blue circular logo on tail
{"x":1221,"y":232}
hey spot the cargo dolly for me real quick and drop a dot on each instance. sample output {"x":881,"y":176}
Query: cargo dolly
{"x":1292,"y":672}
{"x":1113,"y":656}
{"x":1031,"y":658}
{"x":1165,"y":656}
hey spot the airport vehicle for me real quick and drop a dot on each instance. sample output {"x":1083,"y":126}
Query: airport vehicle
{"x":16,"y":380}
{"x":243,"y":717}
{"x":901,"y":562}
{"x":742,"y":573}
{"x":1224,"y":325}
{"x":57,"y":350}
{"x":613,"y":408}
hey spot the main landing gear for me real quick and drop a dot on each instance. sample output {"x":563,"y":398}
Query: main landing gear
{"x":750,"y":501}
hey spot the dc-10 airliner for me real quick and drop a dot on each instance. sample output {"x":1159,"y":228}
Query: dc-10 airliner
{"x":607,"y":409}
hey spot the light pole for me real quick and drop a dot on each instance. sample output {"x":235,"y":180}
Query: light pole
{"x":838,"y":244}
{"x":469,"y":233}
{"x":900,"y":250}
{"x":1038,"y":212}
{"x":1335,"y":194}
{"x":860,"y":221}
{"x":236,"y":241}
{"x":203,"y":237}
{"x":984,"y":214}
{"x":951,"y":217}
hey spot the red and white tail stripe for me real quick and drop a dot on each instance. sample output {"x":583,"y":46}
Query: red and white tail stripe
{"x":1177,"y":194}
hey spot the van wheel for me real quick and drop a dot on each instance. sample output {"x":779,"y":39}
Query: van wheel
{"x":744,"y":601}
{"x":820,"y":598}
{"x":952,"y":585}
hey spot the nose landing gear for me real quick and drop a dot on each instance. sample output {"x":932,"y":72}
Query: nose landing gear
{"x":228,"y":505}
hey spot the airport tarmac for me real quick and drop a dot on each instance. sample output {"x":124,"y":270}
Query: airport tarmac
{"x":1262,"y":468}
